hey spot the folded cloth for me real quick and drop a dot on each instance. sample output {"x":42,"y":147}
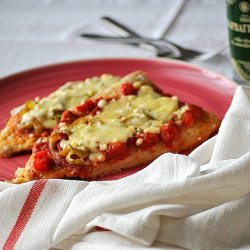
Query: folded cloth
{"x":200,"y":201}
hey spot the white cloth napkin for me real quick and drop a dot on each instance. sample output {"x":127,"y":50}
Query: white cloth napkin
{"x":200,"y":201}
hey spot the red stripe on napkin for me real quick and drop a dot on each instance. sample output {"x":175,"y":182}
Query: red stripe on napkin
{"x":25,"y":214}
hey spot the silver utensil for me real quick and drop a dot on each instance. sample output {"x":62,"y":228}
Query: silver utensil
{"x":163,"y":47}
{"x":163,"y":44}
{"x":125,"y":31}
{"x":160,"y":50}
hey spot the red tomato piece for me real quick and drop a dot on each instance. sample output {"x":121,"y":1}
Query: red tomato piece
{"x":42,"y":146}
{"x":188,"y":119}
{"x":41,"y":161}
{"x":149,"y":139}
{"x":86,"y":107}
{"x":191,"y":115}
{"x":128,"y":89}
{"x":168,"y":132}
{"x":95,"y":110}
{"x":117,"y":150}
{"x":68,"y":116}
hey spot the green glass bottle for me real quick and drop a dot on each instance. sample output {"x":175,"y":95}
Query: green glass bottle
{"x":238,"y":13}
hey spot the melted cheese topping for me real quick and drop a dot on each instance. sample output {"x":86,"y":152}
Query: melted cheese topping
{"x":121,"y":119}
{"x":66,"y":97}
{"x":89,"y":136}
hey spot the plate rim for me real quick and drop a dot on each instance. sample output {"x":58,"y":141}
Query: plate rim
{"x":58,"y":64}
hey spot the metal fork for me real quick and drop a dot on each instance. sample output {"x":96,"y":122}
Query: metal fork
{"x":177,"y":52}
{"x":163,"y":48}
{"x":125,"y":31}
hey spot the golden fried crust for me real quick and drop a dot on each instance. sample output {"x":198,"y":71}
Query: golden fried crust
{"x":12,"y":140}
{"x":189,"y":138}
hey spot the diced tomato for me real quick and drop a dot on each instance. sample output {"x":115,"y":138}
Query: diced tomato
{"x":128,"y":89}
{"x":192,"y":114}
{"x":87,"y":107}
{"x":168,"y":132}
{"x":95,"y":110}
{"x":42,"y":146}
{"x":149,"y":139}
{"x":41,"y":161}
{"x":116,"y":150}
{"x":68,"y":116}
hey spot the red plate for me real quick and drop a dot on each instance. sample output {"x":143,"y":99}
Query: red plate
{"x":190,"y":83}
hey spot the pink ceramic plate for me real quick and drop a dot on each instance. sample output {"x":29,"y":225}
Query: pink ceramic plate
{"x":192,"y":84}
